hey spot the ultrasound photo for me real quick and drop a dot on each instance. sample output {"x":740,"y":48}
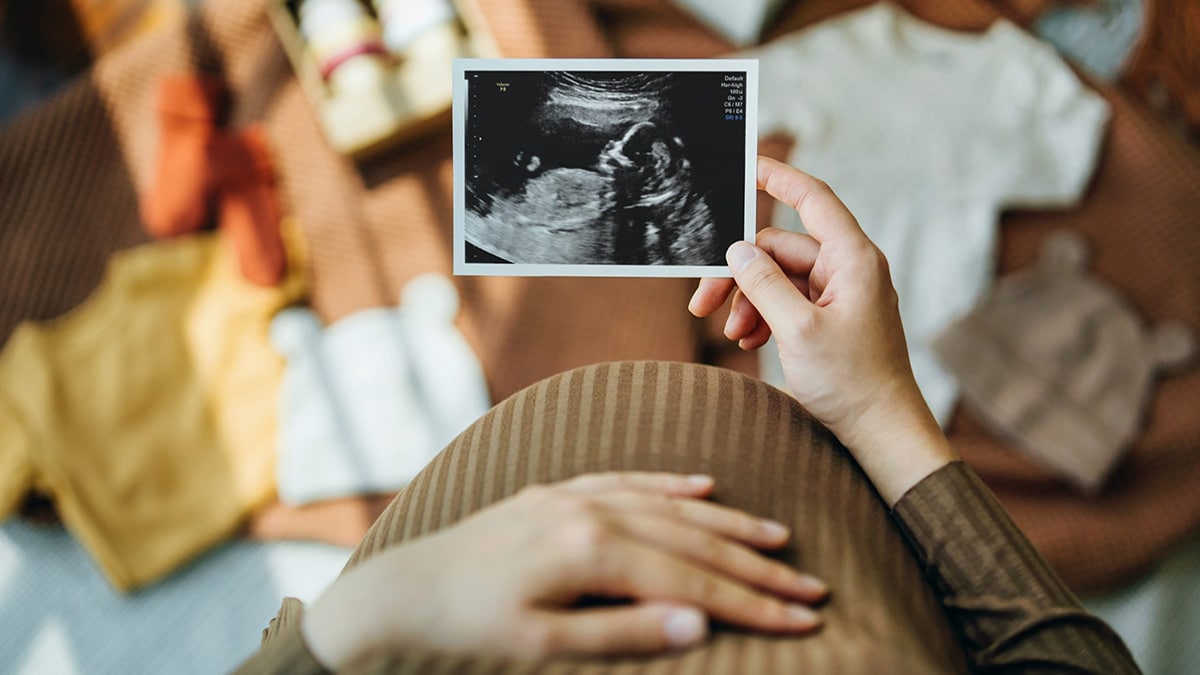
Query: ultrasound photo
{"x":603,"y":167}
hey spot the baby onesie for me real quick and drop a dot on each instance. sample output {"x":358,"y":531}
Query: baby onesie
{"x":927,"y":135}
{"x":148,"y":413}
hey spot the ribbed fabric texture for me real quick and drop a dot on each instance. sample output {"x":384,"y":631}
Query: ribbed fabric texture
{"x":1010,"y":611}
{"x":768,"y":458}
{"x":289,"y":654}
{"x":976,"y":558}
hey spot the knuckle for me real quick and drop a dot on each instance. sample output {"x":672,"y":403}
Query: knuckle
{"x":882,"y":266}
{"x":535,"y":491}
{"x":712,"y":549}
{"x":760,"y":278}
{"x":893,"y":298}
{"x":779,"y":576}
{"x":820,"y":185}
{"x":534,"y":639}
{"x":798,"y":328}
{"x":577,"y":506}
{"x":619,"y":480}
{"x":583,"y":536}
{"x":663,"y":505}
{"x":706,"y":588}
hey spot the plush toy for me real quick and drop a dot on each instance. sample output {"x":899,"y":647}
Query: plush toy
{"x":1058,"y":362}
{"x":367,"y":402}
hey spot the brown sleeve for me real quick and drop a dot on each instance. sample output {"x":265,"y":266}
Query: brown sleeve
{"x":1011,"y":611}
{"x":283,"y":648}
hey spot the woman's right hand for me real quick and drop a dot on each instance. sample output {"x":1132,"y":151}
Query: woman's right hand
{"x":827,"y":297}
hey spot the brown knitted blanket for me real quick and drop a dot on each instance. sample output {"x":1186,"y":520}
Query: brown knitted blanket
{"x":71,"y":169}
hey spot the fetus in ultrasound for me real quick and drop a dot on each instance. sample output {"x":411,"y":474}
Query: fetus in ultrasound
{"x":651,"y":205}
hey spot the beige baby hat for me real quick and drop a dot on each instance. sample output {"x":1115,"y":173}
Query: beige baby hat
{"x":1059,"y":363}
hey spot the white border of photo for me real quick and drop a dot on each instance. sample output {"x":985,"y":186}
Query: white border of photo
{"x":464,"y":268}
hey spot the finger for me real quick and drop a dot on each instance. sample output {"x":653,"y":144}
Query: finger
{"x":658,"y":483}
{"x":824,"y":215}
{"x":725,"y":556}
{"x":795,"y":253}
{"x":641,"y":628}
{"x":721,"y":520}
{"x":773,"y":294}
{"x":709,"y":296}
{"x":743,"y":318}
{"x":756,"y":339}
{"x":620,"y":566}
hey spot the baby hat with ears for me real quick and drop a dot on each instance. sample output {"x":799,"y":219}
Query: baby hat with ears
{"x":1059,"y":363}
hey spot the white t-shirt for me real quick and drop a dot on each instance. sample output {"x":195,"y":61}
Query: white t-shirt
{"x":927,"y":134}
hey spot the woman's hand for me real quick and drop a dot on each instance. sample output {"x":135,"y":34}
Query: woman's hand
{"x":506,"y":581}
{"x":827,"y":297}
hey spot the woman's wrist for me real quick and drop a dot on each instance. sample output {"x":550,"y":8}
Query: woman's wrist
{"x":327,"y":638}
{"x":332,"y":629}
{"x":898,"y":443}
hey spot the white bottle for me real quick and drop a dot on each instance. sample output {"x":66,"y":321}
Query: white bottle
{"x":346,"y":43}
{"x":406,"y":20}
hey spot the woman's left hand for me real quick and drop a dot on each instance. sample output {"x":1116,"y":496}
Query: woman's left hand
{"x":506,"y":581}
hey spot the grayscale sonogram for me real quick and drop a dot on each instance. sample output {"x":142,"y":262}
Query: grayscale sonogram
{"x":602,"y":170}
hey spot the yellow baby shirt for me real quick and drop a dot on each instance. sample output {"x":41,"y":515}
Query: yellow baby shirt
{"x":148,"y":413}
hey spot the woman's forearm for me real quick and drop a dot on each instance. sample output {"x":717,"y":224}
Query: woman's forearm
{"x":1011,"y":611}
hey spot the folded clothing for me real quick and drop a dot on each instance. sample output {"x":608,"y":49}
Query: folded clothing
{"x":1058,"y":362}
{"x":148,"y":413}
{"x":188,"y":109}
{"x":367,"y":402}
{"x":201,"y":165}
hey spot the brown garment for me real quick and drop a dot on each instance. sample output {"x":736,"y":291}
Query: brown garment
{"x":769,"y":458}
{"x":1165,"y":69}
{"x":71,"y":170}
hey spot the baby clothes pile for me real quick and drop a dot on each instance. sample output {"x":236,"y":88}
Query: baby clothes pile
{"x":928,"y":135}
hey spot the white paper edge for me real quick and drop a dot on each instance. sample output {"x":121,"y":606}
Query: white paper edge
{"x":464,"y":268}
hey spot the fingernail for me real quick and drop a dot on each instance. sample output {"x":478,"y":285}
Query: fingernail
{"x":728,"y":324}
{"x":803,"y":616}
{"x":700,"y":480}
{"x":739,"y":255}
{"x":774,"y":529}
{"x":692,"y":301}
{"x":684,"y":627}
{"x":811,"y":584}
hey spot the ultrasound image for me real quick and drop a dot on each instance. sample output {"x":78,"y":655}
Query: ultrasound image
{"x":629,"y":168}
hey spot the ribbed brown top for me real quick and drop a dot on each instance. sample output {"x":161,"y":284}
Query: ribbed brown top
{"x":771,"y":459}
{"x":1011,"y":611}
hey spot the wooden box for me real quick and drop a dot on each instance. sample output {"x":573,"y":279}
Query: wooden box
{"x":414,"y":100}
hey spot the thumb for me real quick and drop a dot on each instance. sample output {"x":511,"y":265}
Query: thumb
{"x":761,"y":280}
{"x":640,"y":628}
